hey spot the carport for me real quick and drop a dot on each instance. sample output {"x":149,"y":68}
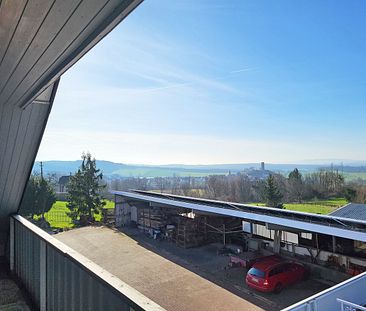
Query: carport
{"x":311,"y":229}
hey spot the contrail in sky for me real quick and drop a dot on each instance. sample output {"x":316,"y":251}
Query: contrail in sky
{"x":241,"y":70}
{"x":222,"y":77}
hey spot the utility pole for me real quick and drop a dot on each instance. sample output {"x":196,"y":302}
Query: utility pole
{"x":41,"y":163}
{"x":43,"y":204}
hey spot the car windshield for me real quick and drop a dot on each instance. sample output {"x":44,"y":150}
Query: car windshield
{"x":256,"y":272}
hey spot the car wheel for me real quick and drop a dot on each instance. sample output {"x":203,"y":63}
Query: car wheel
{"x":278,"y":288}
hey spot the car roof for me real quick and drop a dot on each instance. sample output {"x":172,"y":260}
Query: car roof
{"x":268,"y":264}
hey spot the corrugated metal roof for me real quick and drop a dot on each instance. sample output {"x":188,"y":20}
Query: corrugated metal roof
{"x":352,"y":210}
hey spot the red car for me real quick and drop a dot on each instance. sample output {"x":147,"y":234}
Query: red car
{"x":272,"y":274}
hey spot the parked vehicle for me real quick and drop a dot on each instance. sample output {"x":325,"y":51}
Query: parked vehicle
{"x":248,"y":259}
{"x":273,"y":274}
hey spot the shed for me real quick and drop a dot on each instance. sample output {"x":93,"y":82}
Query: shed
{"x":62,"y":183}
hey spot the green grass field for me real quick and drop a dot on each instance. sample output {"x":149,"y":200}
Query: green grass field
{"x":354,"y":176}
{"x":164,"y":172}
{"x":315,"y":207}
{"x":58,"y":218}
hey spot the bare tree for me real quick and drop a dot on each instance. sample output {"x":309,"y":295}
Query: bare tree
{"x":243,"y":188}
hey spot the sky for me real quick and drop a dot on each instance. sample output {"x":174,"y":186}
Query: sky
{"x":210,"y":82}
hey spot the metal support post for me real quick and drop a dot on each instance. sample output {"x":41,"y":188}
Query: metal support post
{"x":43,"y":275}
{"x":334,"y":247}
{"x":12,"y":244}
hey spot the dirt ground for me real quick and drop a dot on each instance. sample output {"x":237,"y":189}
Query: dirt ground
{"x":176,"y":278}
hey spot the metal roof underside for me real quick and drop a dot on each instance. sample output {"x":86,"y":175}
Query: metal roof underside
{"x":20,"y":134}
{"x":39,"y":41}
{"x":324,"y":224}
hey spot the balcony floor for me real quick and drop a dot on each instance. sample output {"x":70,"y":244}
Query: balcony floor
{"x":176,"y":278}
{"x":165,"y":282}
{"x":11,"y":296}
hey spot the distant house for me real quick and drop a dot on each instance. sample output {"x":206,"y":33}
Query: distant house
{"x":352,"y":211}
{"x":62,"y":183}
{"x":257,"y":174}
{"x":254,"y":174}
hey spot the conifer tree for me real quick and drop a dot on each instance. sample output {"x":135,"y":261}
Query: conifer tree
{"x":38,"y":198}
{"x":272,"y":194}
{"x":296,"y":185}
{"x":84,"y":198}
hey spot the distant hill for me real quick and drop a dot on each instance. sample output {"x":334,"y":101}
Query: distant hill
{"x":125,"y":170}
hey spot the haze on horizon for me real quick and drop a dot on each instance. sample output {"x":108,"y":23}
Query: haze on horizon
{"x":208,"y":83}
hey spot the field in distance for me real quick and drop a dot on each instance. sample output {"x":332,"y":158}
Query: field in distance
{"x":316,"y":207}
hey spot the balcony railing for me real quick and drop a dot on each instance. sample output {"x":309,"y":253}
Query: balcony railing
{"x":349,"y":306}
{"x":346,"y":296}
{"x":58,"y":278}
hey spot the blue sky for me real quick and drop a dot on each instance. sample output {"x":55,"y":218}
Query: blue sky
{"x":218,"y":82}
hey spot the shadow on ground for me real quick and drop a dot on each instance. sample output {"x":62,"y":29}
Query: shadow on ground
{"x":205,"y":262}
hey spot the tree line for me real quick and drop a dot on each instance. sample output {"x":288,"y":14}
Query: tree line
{"x":275,"y":190}
{"x":87,"y":188}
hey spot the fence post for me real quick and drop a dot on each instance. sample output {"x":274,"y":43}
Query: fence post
{"x":43,"y":276}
